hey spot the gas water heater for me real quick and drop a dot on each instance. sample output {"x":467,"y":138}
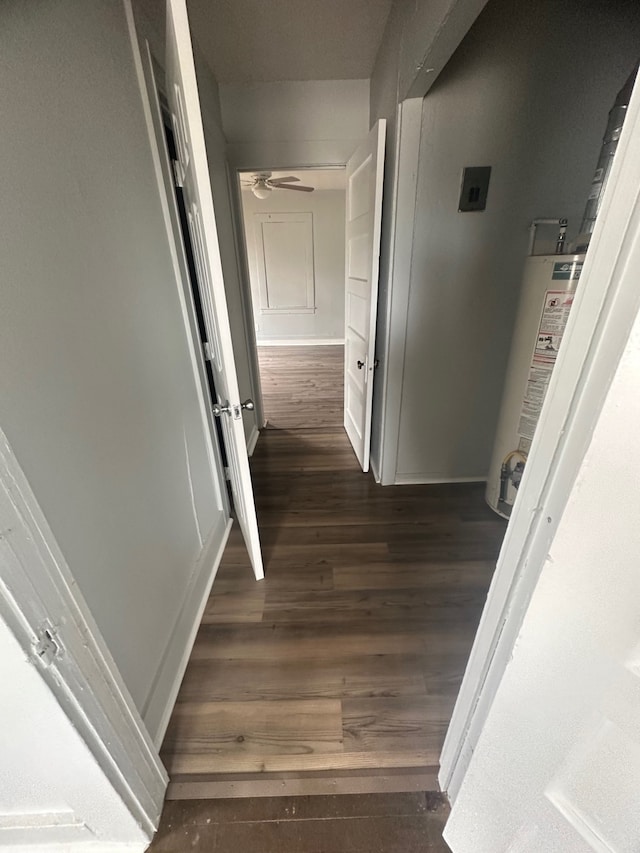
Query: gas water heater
{"x":547,"y":296}
{"x":548,"y":291}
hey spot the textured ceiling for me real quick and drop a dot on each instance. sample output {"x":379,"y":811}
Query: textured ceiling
{"x":258,"y":41}
{"x":320,"y":179}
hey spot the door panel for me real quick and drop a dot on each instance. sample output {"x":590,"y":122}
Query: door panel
{"x":284,"y":249}
{"x":182,"y":94}
{"x":362,"y":241}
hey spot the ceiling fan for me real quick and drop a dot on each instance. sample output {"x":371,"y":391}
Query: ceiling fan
{"x":262,"y":184}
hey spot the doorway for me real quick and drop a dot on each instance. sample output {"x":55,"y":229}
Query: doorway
{"x":293,"y":222}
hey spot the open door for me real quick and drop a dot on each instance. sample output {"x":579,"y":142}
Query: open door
{"x":557,"y":765}
{"x":182,"y":94}
{"x":365,"y":172}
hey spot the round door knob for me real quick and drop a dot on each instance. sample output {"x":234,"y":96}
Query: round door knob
{"x":249,"y":405}
{"x":360,"y":364}
{"x":219,"y":410}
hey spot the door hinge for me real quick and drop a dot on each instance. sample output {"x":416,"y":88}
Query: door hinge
{"x":208,"y":351}
{"x":178,"y":173}
{"x":227,"y":474}
{"x":47,"y":647}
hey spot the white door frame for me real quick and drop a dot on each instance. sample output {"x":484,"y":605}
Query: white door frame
{"x":607,"y":302}
{"x":240,"y":241}
{"x":400,"y":187}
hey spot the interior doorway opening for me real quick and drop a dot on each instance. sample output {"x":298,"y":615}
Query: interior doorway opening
{"x":293,"y":222}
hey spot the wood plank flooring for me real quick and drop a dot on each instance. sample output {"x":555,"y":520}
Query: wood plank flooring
{"x":339,"y":671}
{"x":374,"y":823}
{"x":302,"y":387}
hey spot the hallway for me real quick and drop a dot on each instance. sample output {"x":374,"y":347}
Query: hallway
{"x":302,"y":386}
{"x":337,"y":673}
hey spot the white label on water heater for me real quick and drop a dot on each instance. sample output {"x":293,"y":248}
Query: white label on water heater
{"x":555,"y":313}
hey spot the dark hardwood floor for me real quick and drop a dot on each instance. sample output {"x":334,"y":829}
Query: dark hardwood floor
{"x":336,"y":675}
{"x":338,"y":672}
{"x":372,"y":823}
{"x":302,"y":386}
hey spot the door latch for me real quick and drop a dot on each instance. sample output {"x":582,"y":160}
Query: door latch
{"x":219,"y":410}
{"x":236,"y":410}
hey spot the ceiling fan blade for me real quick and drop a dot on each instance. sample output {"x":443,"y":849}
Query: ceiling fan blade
{"x":287,"y":180}
{"x":296,"y":188}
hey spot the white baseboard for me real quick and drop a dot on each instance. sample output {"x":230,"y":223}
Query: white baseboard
{"x":301,"y":342}
{"x":426,"y":480}
{"x":167,"y":682}
{"x":253,"y":440}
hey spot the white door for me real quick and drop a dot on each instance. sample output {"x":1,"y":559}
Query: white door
{"x":557,"y":766}
{"x":182,"y":94}
{"x":365,"y":171}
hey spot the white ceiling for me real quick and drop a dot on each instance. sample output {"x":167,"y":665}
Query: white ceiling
{"x":320,"y":179}
{"x":259,"y":41}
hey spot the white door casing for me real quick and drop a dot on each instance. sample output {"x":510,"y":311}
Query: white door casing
{"x":365,"y":171}
{"x":182,"y":94}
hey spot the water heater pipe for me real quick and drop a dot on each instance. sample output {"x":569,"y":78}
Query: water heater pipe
{"x":610,"y":141}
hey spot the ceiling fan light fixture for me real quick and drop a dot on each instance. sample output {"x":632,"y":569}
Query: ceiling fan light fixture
{"x":261,"y":190}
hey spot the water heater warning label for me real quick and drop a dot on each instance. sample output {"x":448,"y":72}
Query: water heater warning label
{"x":555,"y":313}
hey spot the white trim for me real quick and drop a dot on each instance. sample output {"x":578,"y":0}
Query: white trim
{"x":253,"y":440}
{"x":37,"y":588}
{"x":403,"y":183}
{"x":427,"y":480}
{"x":244,"y":284}
{"x":166,"y":684}
{"x":607,"y":302}
{"x":289,"y":311}
{"x":304,"y":218}
{"x":301,"y":342}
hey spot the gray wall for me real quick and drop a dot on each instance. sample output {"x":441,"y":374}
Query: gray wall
{"x":328,"y":210}
{"x":528,"y":93}
{"x":99,"y":398}
{"x":419,"y":38}
{"x":282,"y":125}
